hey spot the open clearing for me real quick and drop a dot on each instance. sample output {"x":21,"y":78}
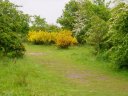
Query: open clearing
{"x":48,"y":71}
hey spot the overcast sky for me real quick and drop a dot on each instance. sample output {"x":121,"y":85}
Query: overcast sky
{"x":49,"y":9}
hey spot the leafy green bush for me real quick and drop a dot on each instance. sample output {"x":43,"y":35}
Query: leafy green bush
{"x":13,"y":24}
{"x":117,"y":37}
{"x":91,"y":19}
{"x":95,"y":34}
{"x":10,"y":45}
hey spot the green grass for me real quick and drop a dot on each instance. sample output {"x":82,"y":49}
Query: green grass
{"x":48,"y":71}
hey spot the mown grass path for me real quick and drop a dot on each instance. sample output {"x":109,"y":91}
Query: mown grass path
{"x":48,"y":71}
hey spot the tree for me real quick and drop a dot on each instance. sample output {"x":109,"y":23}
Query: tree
{"x":12,"y":20}
{"x":84,"y":16}
{"x":12,"y":23}
{"x":67,"y":19}
{"x":38,"y":23}
{"x":52,"y":28}
{"x":96,"y":33}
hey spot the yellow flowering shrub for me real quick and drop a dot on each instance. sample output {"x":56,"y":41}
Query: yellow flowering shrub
{"x":62,"y":39}
{"x":41,"y":37}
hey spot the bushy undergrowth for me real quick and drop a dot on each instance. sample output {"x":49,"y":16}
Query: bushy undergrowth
{"x":62,"y":39}
{"x":11,"y":45}
{"x":12,"y":23}
{"x":116,"y":43}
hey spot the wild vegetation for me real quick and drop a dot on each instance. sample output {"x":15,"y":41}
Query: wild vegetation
{"x":49,"y":71}
{"x":13,"y":24}
{"x":95,"y":23}
{"x":62,"y":39}
{"x":93,"y":39}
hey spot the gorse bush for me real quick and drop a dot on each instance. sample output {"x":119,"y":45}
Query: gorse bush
{"x":65,"y":39}
{"x":62,"y":39}
{"x":41,"y":37}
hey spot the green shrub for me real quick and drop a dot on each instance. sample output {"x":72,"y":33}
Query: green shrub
{"x":96,"y":33}
{"x":12,"y":23}
{"x":10,"y":45}
{"x":117,"y":37}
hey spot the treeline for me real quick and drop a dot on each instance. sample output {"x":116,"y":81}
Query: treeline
{"x":94,"y":22}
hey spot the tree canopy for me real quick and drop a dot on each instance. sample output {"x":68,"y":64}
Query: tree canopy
{"x":68,"y":17}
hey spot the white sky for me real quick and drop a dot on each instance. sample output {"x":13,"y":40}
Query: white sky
{"x":49,"y":9}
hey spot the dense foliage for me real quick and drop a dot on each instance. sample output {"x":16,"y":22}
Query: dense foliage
{"x":11,"y":19}
{"x":96,"y":33}
{"x":62,"y":39}
{"x":65,"y":39}
{"x":117,"y":37}
{"x":41,"y":37}
{"x":68,"y":17}
{"x":90,"y":21}
{"x":13,"y":23}
{"x":78,"y":16}
{"x":10,"y":45}
{"x":95,"y":23}
{"x":90,"y":15}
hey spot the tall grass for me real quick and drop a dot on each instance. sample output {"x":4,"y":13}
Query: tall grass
{"x":45,"y":74}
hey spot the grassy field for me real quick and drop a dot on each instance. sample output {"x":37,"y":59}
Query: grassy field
{"x":48,"y":71}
